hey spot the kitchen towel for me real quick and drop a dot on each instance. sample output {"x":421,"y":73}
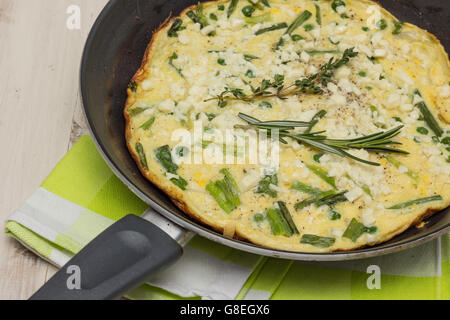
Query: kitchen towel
{"x":82,"y":197}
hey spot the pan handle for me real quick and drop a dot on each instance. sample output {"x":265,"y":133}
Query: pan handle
{"x":117,"y":261}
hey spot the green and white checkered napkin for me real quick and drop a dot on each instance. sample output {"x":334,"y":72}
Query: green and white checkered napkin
{"x":82,"y":197}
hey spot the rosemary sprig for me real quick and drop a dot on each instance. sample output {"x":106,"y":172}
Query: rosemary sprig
{"x":377,"y":142}
{"x":310,"y":85}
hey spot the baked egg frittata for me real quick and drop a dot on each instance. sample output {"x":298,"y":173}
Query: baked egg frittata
{"x":354,"y":103}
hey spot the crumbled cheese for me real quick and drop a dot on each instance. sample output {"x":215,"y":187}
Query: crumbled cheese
{"x":405,"y":48}
{"x":332,"y":87}
{"x":445,"y":91}
{"x":172,"y":176}
{"x":167,"y":106}
{"x":183,"y":38}
{"x":343,"y":72}
{"x":406,"y":107}
{"x":341,"y":9}
{"x":208,"y":29}
{"x":337,"y":233}
{"x":304,"y":56}
{"x":147,"y":84}
{"x":338,"y":99}
{"x":177,"y":91}
{"x":250,"y":180}
{"x":354,"y":194}
{"x":403,"y":169}
{"x":417,"y":99}
{"x":367,"y":217}
{"x":379,"y":53}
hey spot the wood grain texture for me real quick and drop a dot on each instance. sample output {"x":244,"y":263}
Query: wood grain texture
{"x":39,"y":97}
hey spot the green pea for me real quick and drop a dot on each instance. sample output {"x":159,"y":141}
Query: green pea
{"x":265,"y":105}
{"x":446,"y":141}
{"x":296,"y":37}
{"x":334,"y":215}
{"x":317,"y":157}
{"x":382,"y":24}
{"x":422,"y":130}
{"x":248,"y":11}
{"x":258,"y":218}
{"x":249,"y":74}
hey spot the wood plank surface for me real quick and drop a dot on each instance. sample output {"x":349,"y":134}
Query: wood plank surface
{"x":41,"y":114}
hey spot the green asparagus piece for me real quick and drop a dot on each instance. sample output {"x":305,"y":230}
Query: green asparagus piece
{"x":225,"y":192}
{"x":316,"y":241}
{"x":141,"y":154}
{"x":217,"y":193}
{"x":148,"y":124}
{"x":232,"y":7}
{"x":416,"y":202}
{"x":280,"y":220}
{"x":354,"y":230}
{"x":264,"y":185}
{"x":428,"y":117}
{"x":302,"y":18}
{"x":322,"y":174}
{"x":265,"y":17}
{"x":136,"y":111}
{"x":274,"y":27}
{"x":398,"y":164}
{"x":314,"y":199}
{"x":300,"y":186}
{"x":287,"y":216}
{"x":277,"y":223}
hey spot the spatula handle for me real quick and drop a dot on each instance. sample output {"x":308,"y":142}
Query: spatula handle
{"x":117,"y":261}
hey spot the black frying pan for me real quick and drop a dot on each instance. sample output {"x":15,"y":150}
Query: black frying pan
{"x":132,"y":249}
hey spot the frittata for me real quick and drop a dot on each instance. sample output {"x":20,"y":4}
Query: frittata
{"x":354,"y":102}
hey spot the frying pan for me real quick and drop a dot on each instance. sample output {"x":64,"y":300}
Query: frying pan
{"x":127,"y":253}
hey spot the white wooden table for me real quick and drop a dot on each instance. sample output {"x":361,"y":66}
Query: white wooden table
{"x":40,"y":114}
